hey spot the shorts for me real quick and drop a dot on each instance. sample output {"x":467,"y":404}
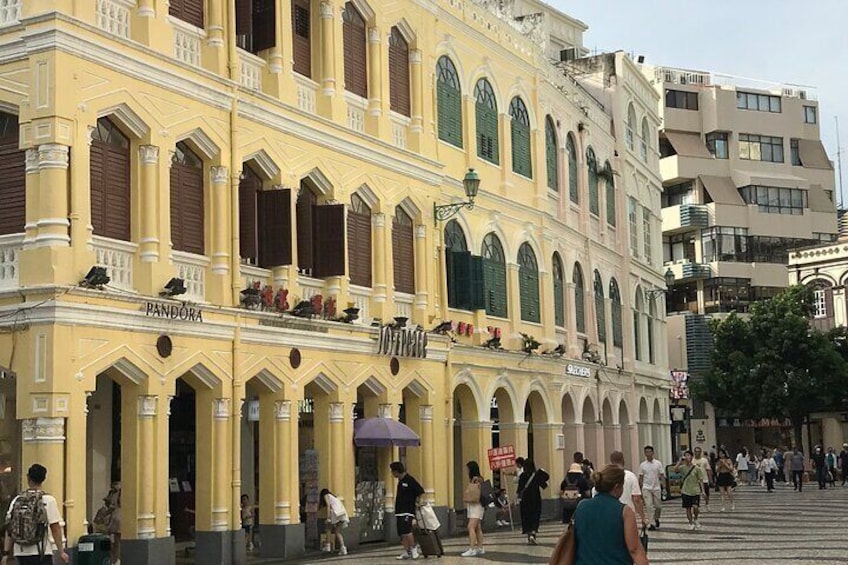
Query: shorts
{"x":690,"y":501}
{"x":475,"y":511}
{"x":404,"y":524}
{"x":724,"y":480}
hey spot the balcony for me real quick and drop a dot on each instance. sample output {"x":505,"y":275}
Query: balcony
{"x":192,"y":269}
{"x":684,"y":217}
{"x":113,"y":16}
{"x":250,"y":70}
{"x":400,"y":126}
{"x":403,"y":305}
{"x":356,"y":107}
{"x":187,"y":42}
{"x":251,"y":274}
{"x":687,"y":270}
{"x":10,"y":11}
{"x":10,"y":248}
{"x":117,"y":257}
{"x":360,"y":296}
{"x":307,"y":94}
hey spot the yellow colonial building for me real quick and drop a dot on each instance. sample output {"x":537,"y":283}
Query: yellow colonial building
{"x":219,"y":249}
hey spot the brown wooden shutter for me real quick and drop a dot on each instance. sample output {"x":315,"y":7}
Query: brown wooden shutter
{"x":403,"y":257}
{"x":329,"y":237}
{"x":117,"y":192}
{"x":264,"y":24}
{"x":12,"y":184}
{"x":187,"y":209}
{"x":176,"y":209}
{"x":97,"y":164}
{"x":244,"y":27}
{"x":355,"y":54}
{"x":249,"y":185}
{"x":301,"y":37}
{"x":399,"y":73}
{"x":359,"y":248}
{"x":190,"y":11}
{"x":305,"y":203}
{"x":275,"y":245}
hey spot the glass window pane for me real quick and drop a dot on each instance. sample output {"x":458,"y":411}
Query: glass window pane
{"x":773,"y":196}
{"x":774,"y":104}
{"x":785,"y":197}
{"x":765,"y":150}
{"x":756,"y":154}
{"x":763,"y":103}
{"x":752,"y":101}
{"x":778,"y":153}
{"x":797,"y":198}
{"x":744,"y":150}
{"x":762,"y":195}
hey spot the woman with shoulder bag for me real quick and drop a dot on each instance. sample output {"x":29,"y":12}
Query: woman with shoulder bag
{"x":474,"y":511}
{"x":529,"y":484}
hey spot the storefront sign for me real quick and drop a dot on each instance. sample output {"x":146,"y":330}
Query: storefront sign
{"x":402,"y":342}
{"x":578,"y":370}
{"x":679,"y":385}
{"x":173,"y":312}
{"x":501,"y":457}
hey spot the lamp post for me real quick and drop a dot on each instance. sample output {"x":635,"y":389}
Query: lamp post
{"x":669,"y":282}
{"x":471,"y":184}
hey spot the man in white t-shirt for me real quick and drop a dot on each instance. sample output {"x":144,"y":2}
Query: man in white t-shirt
{"x":632,"y":494}
{"x":53,"y":542}
{"x":651,"y":479}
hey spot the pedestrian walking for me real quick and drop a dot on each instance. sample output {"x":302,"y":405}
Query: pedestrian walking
{"x":247,"y":520}
{"x":725,"y":479}
{"x":605,"y":530}
{"x":843,"y":458}
{"x":632,"y":495}
{"x":796,"y":466}
{"x":406,"y":496}
{"x":572,"y":490}
{"x":742,"y":465}
{"x":691,"y":487}
{"x":754,"y":469}
{"x":475,"y":511}
{"x":769,"y":469}
{"x":651,"y":479}
{"x":830,"y":460}
{"x":530,"y":483}
{"x":34,"y":532}
{"x":337,"y":520}
{"x":778,"y":461}
{"x":704,"y":464}
{"x":820,"y":467}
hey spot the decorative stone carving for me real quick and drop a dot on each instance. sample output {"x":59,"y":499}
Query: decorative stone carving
{"x":53,"y":156}
{"x":373,"y":35}
{"x":43,"y":430}
{"x":170,"y":398}
{"x":31,"y":161}
{"x":425,"y":413}
{"x":420,"y":231}
{"x":282,"y":410}
{"x":147,"y":404}
{"x":326,"y":9}
{"x":149,"y":154}
{"x":335,"y":412}
{"x":379,"y":220}
{"x":415,"y":57}
{"x":90,"y":137}
{"x":218,"y":175}
{"x":385,"y":411}
{"x":222,"y":408}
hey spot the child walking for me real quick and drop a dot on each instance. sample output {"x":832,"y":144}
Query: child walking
{"x":337,"y":520}
{"x":247,"y":520}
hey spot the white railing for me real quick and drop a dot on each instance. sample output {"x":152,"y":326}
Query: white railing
{"x":355,"y":117}
{"x":10,"y":11}
{"x":731,"y":82}
{"x":192,"y":269}
{"x":117,"y":257}
{"x":309,"y":287}
{"x":114,"y":16}
{"x":187,"y":44}
{"x":400,"y":126}
{"x":403,"y":304}
{"x":10,"y":248}
{"x":361,"y":298}
{"x":307,"y":94}
{"x":250,"y":70}
{"x":251,"y":274}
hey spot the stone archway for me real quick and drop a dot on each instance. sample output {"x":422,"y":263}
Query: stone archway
{"x":628,"y":437}
{"x":470,"y":436}
{"x":572,"y":429}
{"x":611,"y":431}
{"x":538,"y":430}
{"x":644,"y":426}
{"x":592,"y":440}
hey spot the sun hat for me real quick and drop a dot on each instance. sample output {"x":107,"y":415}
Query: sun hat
{"x":575,"y":468}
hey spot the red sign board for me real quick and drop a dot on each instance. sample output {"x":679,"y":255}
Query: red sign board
{"x":502,"y":457}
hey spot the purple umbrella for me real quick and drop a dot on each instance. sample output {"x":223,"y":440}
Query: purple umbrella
{"x":383,"y":432}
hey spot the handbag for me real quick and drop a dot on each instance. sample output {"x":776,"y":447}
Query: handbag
{"x":471,"y":495}
{"x":643,"y":537}
{"x":565,"y":551}
{"x":427,"y":518}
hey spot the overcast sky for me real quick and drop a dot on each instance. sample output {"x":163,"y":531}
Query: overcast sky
{"x":785,"y":41}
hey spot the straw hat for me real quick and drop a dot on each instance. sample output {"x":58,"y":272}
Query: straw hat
{"x":575,"y":468}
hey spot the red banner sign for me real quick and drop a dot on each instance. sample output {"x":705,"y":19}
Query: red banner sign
{"x":501,"y":457}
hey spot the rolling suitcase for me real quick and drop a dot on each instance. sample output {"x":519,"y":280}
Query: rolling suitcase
{"x":429,"y":543}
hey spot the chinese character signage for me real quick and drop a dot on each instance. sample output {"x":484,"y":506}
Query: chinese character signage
{"x":679,"y":385}
{"x":502,"y":457}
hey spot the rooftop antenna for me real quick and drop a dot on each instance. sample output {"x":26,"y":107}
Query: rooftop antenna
{"x":838,"y":163}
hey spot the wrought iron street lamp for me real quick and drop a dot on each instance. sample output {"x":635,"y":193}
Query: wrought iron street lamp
{"x":471,"y":184}
{"x":669,"y":282}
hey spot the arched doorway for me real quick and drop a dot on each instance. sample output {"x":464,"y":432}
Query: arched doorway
{"x":645,"y":435}
{"x":611,"y":436}
{"x":590,"y":427}
{"x":467,"y":444}
{"x":538,"y":436}
{"x":505,"y":430}
{"x":10,"y":442}
{"x":571,"y":430}
{"x":662,"y":434}
{"x":631,"y":457}
{"x":371,"y":463}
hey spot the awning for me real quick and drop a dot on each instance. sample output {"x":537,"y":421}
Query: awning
{"x":747,"y":178}
{"x":818,"y":200}
{"x":722,"y":190}
{"x":813,"y":154}
{"x":688,"y":144}
{"x":383,"y":432}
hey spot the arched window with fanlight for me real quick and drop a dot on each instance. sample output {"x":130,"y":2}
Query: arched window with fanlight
{"x":579,"y":298}
{"x":109,"y":175}
{"x":630,"y":127}
{"x":645,"y":144}
{"x":187,"y":201}
{"x":592,"y":166}
{"x":559,"y":291}
{"x":609,"y":181}
{"x":464,"y":271}
{"x":551,"y":154}
{"x":573,"y":192}
{"x":528,"y":283}
{"x":600,"y":312}
{"x":449,"y":102}
{"x":494,"y":276}
{"x":486,"y":110}
{"x":522,"y":161}
{"x":617,"y":322}
{"x":399,"y":95}
{"x":403,"y":252}
{"x":359,"y":241}
{"x":637,"y":323}
{"x":355,"y":55}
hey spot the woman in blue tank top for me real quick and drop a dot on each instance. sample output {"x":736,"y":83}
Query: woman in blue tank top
{"x":605,"y":529}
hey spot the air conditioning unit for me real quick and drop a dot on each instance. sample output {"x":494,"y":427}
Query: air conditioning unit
{"x":570,"y":54}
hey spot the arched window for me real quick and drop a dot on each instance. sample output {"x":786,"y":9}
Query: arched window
{"x":302,"y":37}
{"x":609,"y":180}
{"x":559,"y":289}
{"x":455,"y":237}
{"x":187,"y":202}
{"x":573,"y":192}
{"x":110,"y":181}
{"x":460,"y":270}
{"x":399,"y":99}
{"x":355,"y":57}
{"x":528,"y":283}
{"x":13,"y":175}
{"x":494,"y":276}
{"x":265,"y":224}
{"x":645,"y":143}
{"x":359,"y":242}
{"x":592,"y":165}
{"x":637,"y":324}
{"x":617,"y":323}
{"x":630,"y":127}
{"x":486,"y":110}
{"x":403,"y":252}
{"x":600,"y":312}
{"x":579,"y":298}
{"x":652,"y":314}
{"x":449,"y":101}
{"x":551,"y":154}
{"x":522,"y":162}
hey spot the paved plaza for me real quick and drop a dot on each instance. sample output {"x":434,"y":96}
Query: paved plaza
{"x":783,"y":527}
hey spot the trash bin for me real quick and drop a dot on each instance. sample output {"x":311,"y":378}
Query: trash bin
{"x":94,"y":549}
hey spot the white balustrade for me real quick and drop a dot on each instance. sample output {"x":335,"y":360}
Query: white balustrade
{"x":400,"y":126}
{"x":250,"y":70}
{"x":309,"y":287}
{"x":403,"y":304}
{"x":10,"y":11}
{"x":192,"y":269}
{"x":117,"y":258}
{"x":361,"y":298}
{"x":307,"y":94}
{"x":187,"y":45}
{"x":251,"y":274}
{"x":10,"y":248}
{"x":355,"y":118}
{"x":114,"y":16}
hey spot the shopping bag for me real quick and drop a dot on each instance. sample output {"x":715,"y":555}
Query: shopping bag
{"x":427,"y":519}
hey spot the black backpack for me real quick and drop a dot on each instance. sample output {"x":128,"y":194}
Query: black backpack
{"x":488,"y":494}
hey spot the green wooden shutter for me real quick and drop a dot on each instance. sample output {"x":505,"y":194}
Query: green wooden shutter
{"x":460,"y":280}
{"x":580,"y":309}
{"x":521,"y":161}
{"x":601,"y":318}
{"x":637,"y":336}
{"x":559,"y":304}
{"x":487,"y":134}
{"x":573,"y":193}
{"x":617,"y":323}
{"x":594,"y":206}
{"x":494,"y":276}
{"x":551,"y":156}
{"x":478,"y":284}
{"x":529,"y":291}
{"x":450,"y":114}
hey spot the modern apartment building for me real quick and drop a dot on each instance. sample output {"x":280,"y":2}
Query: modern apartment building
{"x":745,"y":180}
{"x":232,"y":230}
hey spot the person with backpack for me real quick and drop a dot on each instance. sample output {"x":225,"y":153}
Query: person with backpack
{"x":34,"y":529}
{"x":573,"y":489}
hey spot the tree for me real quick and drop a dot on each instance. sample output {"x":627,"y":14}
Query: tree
{"x":773,"y":364}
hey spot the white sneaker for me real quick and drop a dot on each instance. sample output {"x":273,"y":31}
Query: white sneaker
{"x":722,"y":508}
{"x":692,"y":527}
{"x":403,"y":556}
{"x":481,"y":551}
{"x":415,"y":552}
{"x":342,"y":550}
{"x":326,"y":548}
{"x":697,"y":525}
{"x":733,"y":507}
{"x":470,"y":552}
